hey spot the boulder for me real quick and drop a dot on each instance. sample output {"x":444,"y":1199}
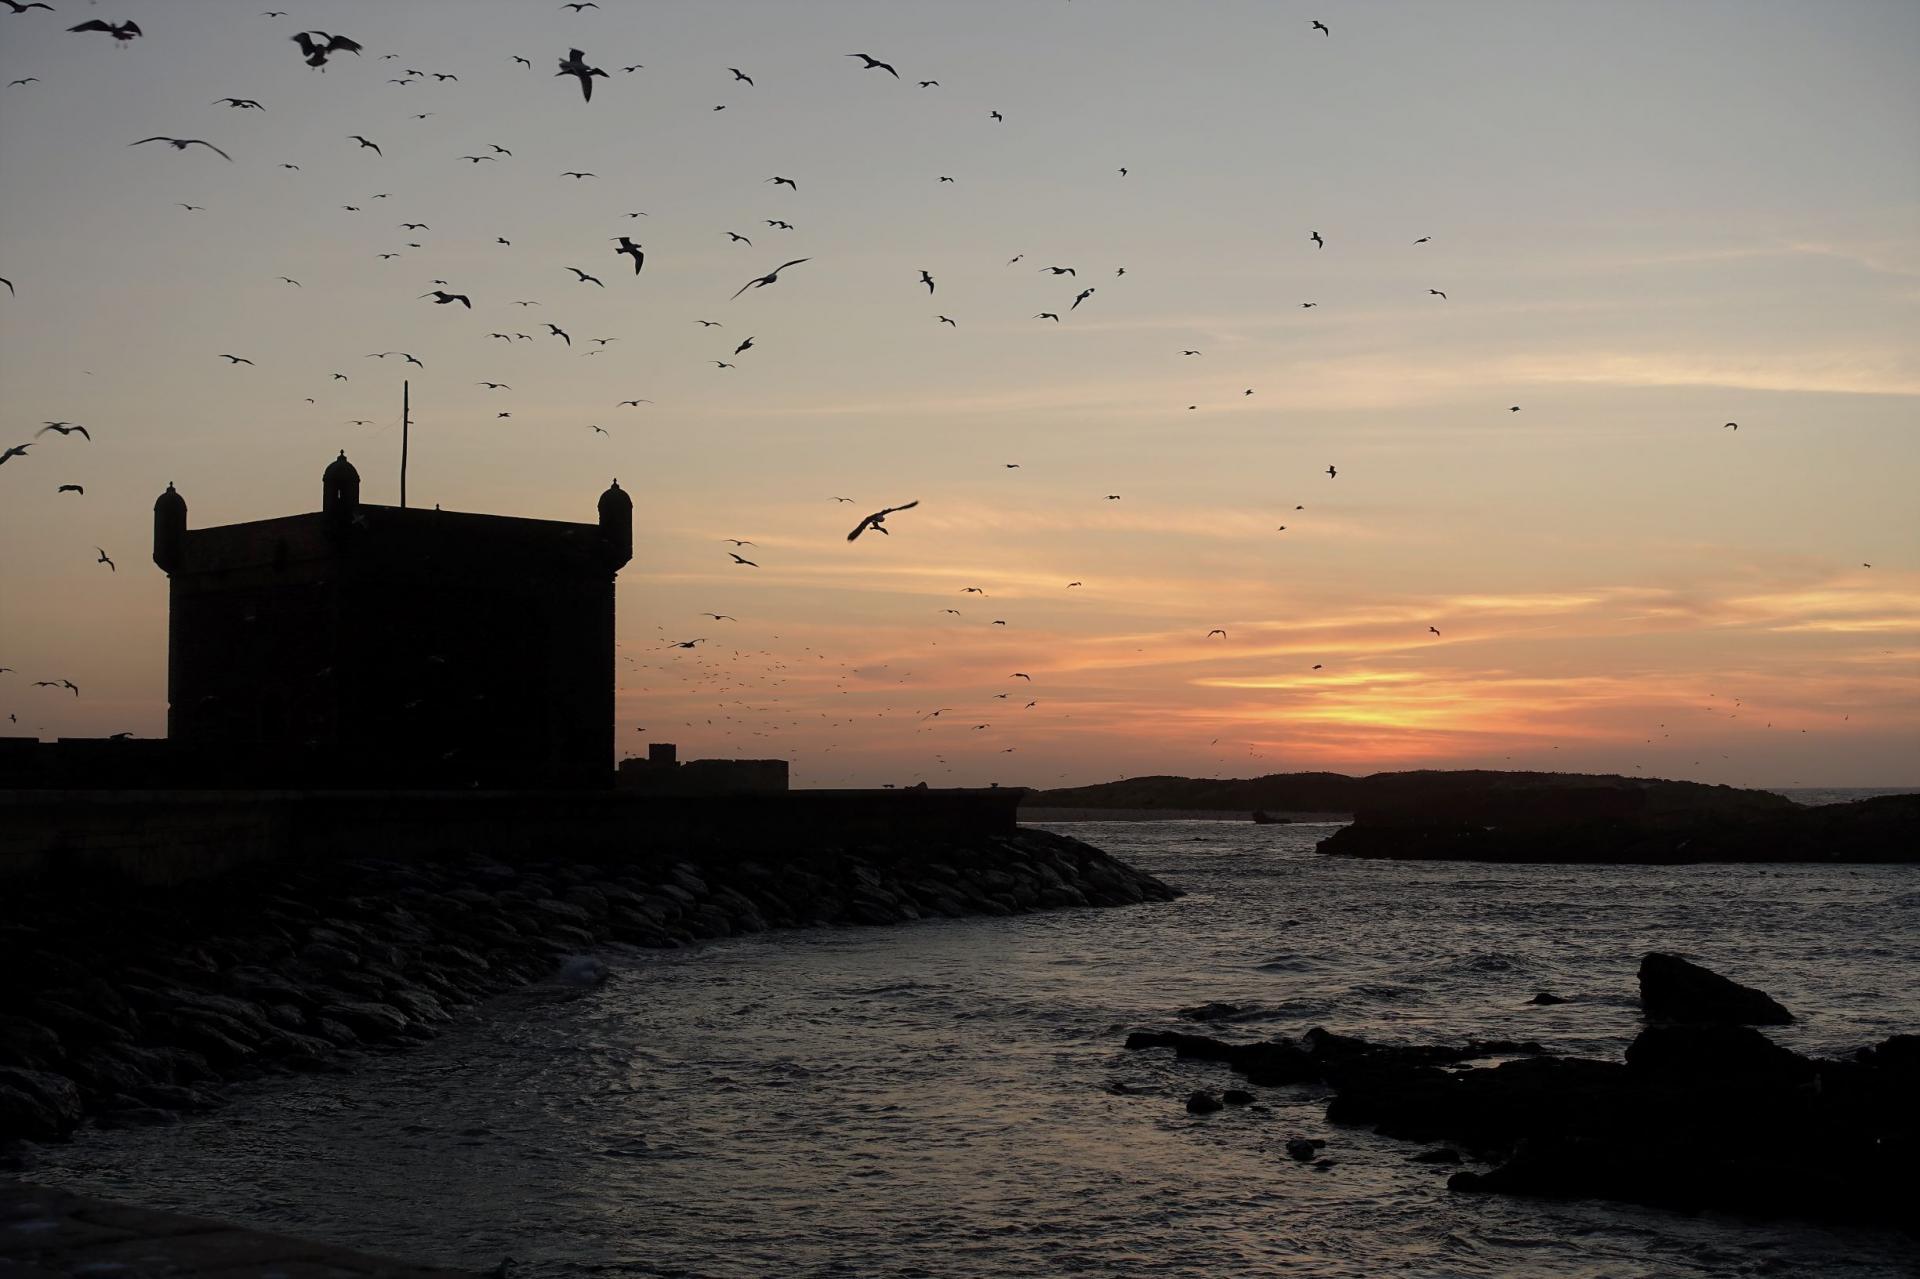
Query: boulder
{"x":1672,"y":989}
{"x":1202,"y":1103}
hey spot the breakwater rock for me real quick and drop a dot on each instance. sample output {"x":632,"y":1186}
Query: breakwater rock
{"x":132,"y":1006}
{"x":1657,"y":824}
{"x":1700,"y":1115}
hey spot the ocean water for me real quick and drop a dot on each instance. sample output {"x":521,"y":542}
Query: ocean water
{"x":931,"y":1099}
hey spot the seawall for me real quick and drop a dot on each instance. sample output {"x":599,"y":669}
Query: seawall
{"x":136,"y":992}
{"x":171,"y":836}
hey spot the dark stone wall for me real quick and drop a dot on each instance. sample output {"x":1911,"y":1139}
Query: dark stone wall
{"x":90,"y":839}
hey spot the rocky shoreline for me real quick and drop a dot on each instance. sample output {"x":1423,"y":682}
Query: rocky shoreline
{"x":130,"y":1006}
{"x":1705,"y":1112}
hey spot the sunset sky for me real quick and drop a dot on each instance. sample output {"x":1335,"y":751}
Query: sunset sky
{"x":1649,"y":220}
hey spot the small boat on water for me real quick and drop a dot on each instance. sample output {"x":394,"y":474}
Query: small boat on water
{"x":1261,"y":817}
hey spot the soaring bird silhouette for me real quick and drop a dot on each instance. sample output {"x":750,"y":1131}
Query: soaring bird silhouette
{"x":738,"y":560}
{"x":1321,"y":27}
{"x":928,"y":281}
{"x":780,"y":181}
{"x":738,"y":74}
{"x":1423,"y":239}
{"x":1216,"y":631}
{"x":121,"y":31}
{"x":20,"y":450}
{"x":366,"y":145}
{"x":771,"y":277}
{"x":743,"y":346}
{"x":560,"y":333}
{"x":877,"y":521}
{"x":17,"y":7}
{"x":442,"y":297}
{"x":576,"y":175}
{"x":633,"y":251}
{"x":575,"y":64}
{"x":64,"y":428}
{"x":1433,"y":630}
{"x":1048,"y":315}
{"x":1437,"y":293}
{"x":870,"y":63}
{"x":104,"y":560}
{"x":1083,"y":296}
{"x":244,"y":104}
{"x":318,"y":51}
{"x":235,"y":359}
{"x":1332,"y":472}
{"x":1317,"y":241}
{"x":737,"y":238}
{"x":584,"y":277}
{"x":946,"y":320}
{"x":71,"y":488}
{"x":181,"y":144}
{"x":1055,"y":270}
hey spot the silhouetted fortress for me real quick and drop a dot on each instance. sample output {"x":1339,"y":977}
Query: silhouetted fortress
{"x":396,"y":645}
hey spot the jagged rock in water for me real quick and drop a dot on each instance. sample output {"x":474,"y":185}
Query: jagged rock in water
{"x":1672,"y":989}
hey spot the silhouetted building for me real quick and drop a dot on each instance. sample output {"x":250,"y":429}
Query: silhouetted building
{"x":391,"y":646}
{"x":662,"y":773}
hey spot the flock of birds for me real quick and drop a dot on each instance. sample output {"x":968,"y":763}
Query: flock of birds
{"x":320,"y":49}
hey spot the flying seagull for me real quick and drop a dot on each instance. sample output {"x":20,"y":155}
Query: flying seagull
{"x":64,"y":428}
{"x":1084,"y":295}
{"x":1318,"y":242}
{"x":1048,"y":315}
{"x":442,"y":297}
{"x":71,"y":488}
{"x":584,"y":277}
{"x":870,"y":63}
{"x":743,"y":346}
{"x":771,"y":277}
{"x":19,"y":450}
{"x":121,"y":31}
{"x":559,"y":332}
{"x":365,"y":145}
{"x":1216,"y":631}
{"x":104,"y":560}
{"x":181,"y":144}
{"x":738,"y":74}
{"x":1321,"y":27}
{"x":244,"y":104}
{"x":317,"y":53}
{"x":1331,"y":472}
{"x":778,"y":180}
{"x":928,"y":281}
{"x":237,"y":359}
{"x":575,"y":64}
{"x":738,"y":560}
{"x":877,"y":521}
{"x":1437,"y":293}
{"x":18,"y":7}
{"x":633,"y":251}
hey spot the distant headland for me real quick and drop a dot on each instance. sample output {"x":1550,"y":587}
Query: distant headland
{"x":1486,"y":815}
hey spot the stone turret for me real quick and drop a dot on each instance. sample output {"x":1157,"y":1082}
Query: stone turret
{"x":169,"y":530}
{"x":340,"y":491}
{"x":616,"y":527}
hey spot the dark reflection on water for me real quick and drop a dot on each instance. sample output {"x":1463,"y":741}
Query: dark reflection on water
{"x":931,"y":1099}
